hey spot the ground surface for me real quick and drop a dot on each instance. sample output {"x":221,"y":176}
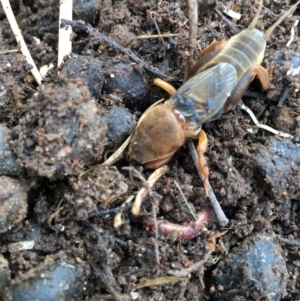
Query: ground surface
{"x":58,"y":134}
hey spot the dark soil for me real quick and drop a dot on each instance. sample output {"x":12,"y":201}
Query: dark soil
{"x":54,"y":137}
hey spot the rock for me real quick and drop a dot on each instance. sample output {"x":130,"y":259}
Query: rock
{"x":255,"y":270}
{"x":49,"y":281}
{"x":120,"y":124}
{"x":279,"y":163}
{"x":13,"y":202}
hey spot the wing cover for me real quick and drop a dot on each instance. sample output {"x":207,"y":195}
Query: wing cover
{"x":202,"y":98}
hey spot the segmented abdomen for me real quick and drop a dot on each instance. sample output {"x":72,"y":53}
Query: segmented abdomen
{"x":243,"y":51}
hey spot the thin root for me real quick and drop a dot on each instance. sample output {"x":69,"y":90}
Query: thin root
{"x":136,"y":208}
{"x":118,"y":222}
{"x":292,"y":33}
{"x":20,"y":40}
{"x":264,"y":126}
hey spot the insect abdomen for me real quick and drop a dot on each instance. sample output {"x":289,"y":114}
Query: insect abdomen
{"x":243,"y":51}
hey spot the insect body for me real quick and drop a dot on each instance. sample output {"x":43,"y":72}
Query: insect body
{"x":163,"y":129}
{"x":220,"y":77}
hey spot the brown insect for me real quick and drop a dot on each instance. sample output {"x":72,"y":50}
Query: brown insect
{"x":217,"y":82}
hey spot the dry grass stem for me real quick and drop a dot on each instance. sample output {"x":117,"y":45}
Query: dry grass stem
{"x":20,"y":40}
{"x":9,"y":51}
{"x":64,"y":37}
{"x":136,"y":208}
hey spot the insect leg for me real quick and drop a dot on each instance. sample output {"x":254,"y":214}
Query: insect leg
{"x":244,"y":82}
{"x":207,"y":55}
{"x":164,"y":85}
{"x":201,"y":148}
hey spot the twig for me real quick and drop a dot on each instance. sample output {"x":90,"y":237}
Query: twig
{"x":223,"y":220}
{"x":193,"y":27}
{"x":264,"y":126}
{"x":108,"y":280}
{"x":108,"y":211}
{"x":20,"y":40}
{"x":283,"y":96}
{"x":136,"y":208}
{"x":158,"y":30}
{"x":233,"y":28}
{"x":157,"y":36}
{"x":64,"y":36}
{"x":90,"y":30}
{"x":293,"y":243}
{"x":118,"y":221}
{"x":192,"y":268}
{"x":9,"y":51}
{"x":101,"y":243}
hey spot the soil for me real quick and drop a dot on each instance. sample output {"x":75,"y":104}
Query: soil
{"x":53,"y":138}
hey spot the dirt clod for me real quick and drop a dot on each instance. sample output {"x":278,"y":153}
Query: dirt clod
{"x":87,"y":11}
{"x":90,"y":70}
{"x":279,"y":163}
{"x":51,"y":281}
{"x":8,"y":165}
{"x":255,"y":270}
{"x":13,"y":202}
{"x":61,"y":131}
